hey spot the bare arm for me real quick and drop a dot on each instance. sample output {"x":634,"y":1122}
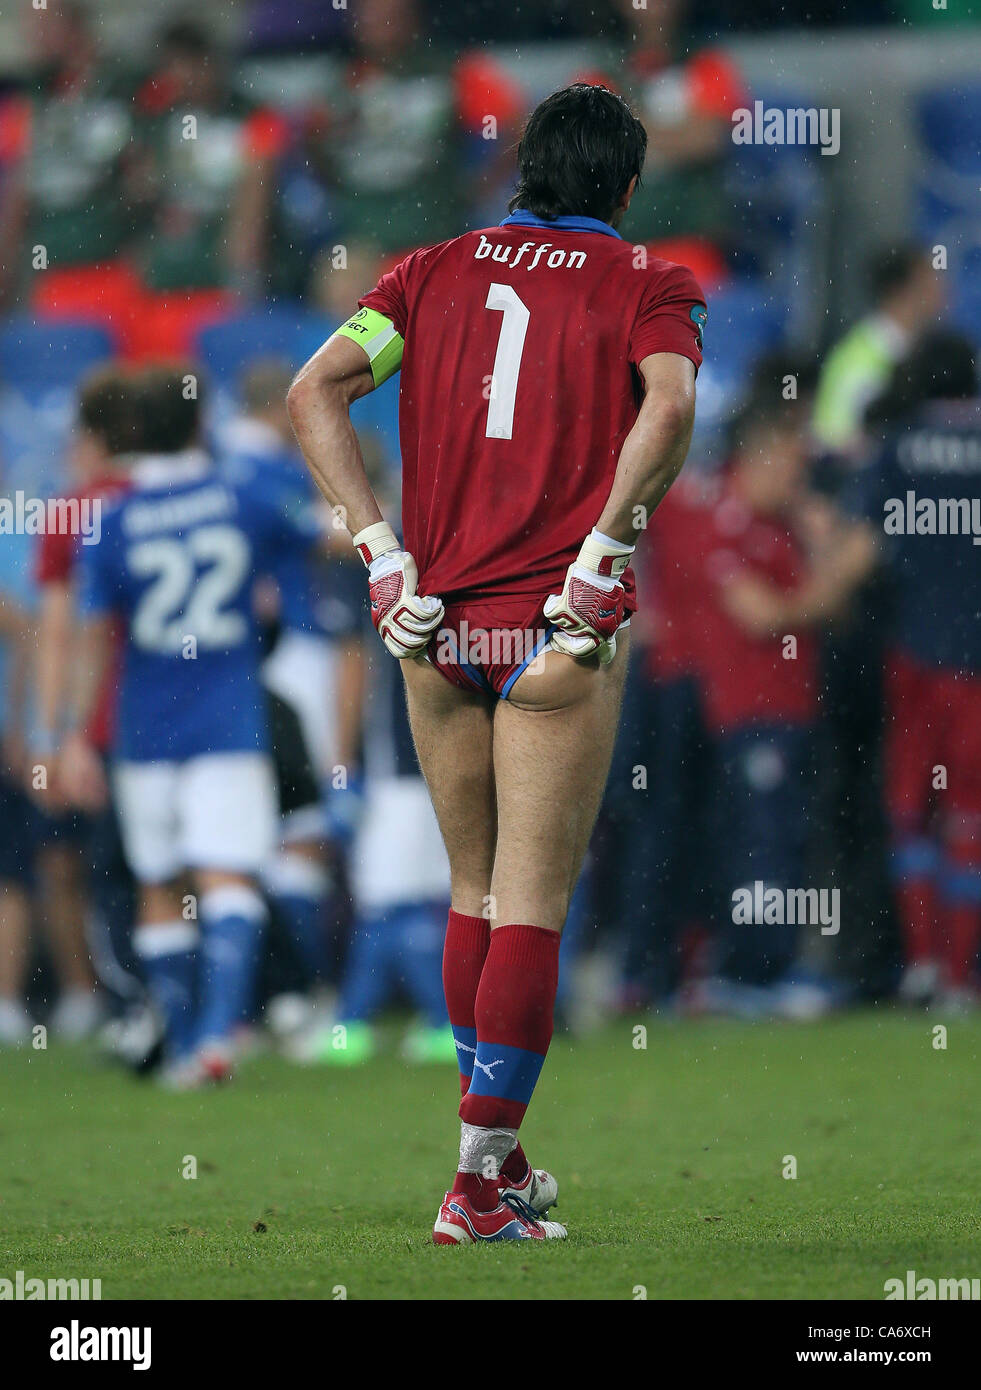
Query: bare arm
{"x":53,"y":653}
{"x":80,"y":777}
{"x":319,"y":402}
{"x":15,"y":633}
{"x":365,"y":351}
{"x":655,"y":448}
{"x":13,"y":218}
{"x":13,"y":620}
{"x":92,"y":654}
{"x":763,"y":610}
{"x":247,"y":226}
{"x":849,"y":561}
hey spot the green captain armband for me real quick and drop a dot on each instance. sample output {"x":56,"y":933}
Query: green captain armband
{"x":377,"y":335}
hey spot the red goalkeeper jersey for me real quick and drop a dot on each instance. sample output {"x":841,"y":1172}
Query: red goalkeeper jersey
{"x":519,"y":386}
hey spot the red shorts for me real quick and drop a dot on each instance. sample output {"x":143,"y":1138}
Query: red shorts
{"x":933,"y":719}
{"x":485,"y":645}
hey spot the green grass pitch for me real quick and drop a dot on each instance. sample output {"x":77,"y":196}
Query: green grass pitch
{"x":316,"y":1184}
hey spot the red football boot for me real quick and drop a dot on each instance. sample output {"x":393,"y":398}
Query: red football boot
{"x":459,"y":1223}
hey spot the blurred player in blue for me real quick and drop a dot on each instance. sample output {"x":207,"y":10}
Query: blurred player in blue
{"x":399,"y":879}
{"x":192,"y":776}
{"x":307,"y":671}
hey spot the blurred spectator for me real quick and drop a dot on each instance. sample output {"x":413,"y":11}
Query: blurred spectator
{"x":932,"y":421}
{"x":760,"y":595}
{"x":339,"y":278}
{"x":661,"y":826}
{"x":400,"y":883}
{"x":479,"y":21}
{"x":489,"y":105}
{"x":906,"y":297}
{"x":776,"y":14}
{"x":946,"y":14}
{"x":64,"y":139}
{"x":375,"y":160}
{"x":292,"y":26}
{"x":16,"y":847}
{"x":685,"y":95}
{"x":104,"y":438}
{"x":308,"y":213}
{"x":299,"y":675}
{"x":401,"y":891}
{"x":392,"y":130}
{"x":79,"y":854}
{"x":201,"y":178}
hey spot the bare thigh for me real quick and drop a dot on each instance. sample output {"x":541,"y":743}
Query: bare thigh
{"x":553,"y":743}
{"x":452,"y":731}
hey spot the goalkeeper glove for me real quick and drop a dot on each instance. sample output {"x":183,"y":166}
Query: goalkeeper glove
{"x":405,"y":620}
{"x":589,"y":609}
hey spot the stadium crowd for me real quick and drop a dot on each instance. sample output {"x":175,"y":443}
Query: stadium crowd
{"x":804,"y":708}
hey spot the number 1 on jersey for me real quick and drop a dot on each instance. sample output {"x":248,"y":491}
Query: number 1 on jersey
{"x":507,"y":362}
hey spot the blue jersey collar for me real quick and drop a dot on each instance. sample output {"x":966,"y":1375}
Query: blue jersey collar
{"x":521,"y":217}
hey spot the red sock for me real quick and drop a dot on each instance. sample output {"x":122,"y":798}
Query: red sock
{"x":963,"y":910}
{"x":916,"y":900}
{"x":464,"y":953}
{"x":484,"y":1193}
{"x":513,"y":1015}
{"x":963,"y":933}
{"x":516,"y":1165}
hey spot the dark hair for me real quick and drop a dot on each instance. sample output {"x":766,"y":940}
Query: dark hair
{"x":765,"y":407}
{"x":891,"y":268}
{"x":578,"y":152}
{"x":187,"y":37}
{"x":942,"y":367}
{"x":761,"y":415}
{"x":107,"y":407}
{"x":169,"y":400}
{"x":773,"y":367}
